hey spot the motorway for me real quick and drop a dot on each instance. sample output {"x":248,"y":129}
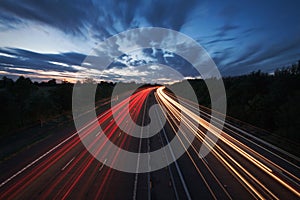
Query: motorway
{"x":239,"y":166}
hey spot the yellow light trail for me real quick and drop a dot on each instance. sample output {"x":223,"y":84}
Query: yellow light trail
{"x":174,"y":106}
{"x":275,"y":166}
{"x":194,"y":130}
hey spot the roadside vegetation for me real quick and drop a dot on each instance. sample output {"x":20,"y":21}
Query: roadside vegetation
{"x":25,"y":103}
{"x":267,"y":105}
{"x":269,"y":102}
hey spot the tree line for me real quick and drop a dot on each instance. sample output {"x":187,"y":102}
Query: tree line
{"x":25,"y":103}
{"x":268,"y":101}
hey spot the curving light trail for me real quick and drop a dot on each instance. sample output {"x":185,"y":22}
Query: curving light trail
{"x":68,"y":165}
{"x":193,"y":121}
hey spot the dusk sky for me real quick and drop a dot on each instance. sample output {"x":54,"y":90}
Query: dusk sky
{"x":50,"y":39}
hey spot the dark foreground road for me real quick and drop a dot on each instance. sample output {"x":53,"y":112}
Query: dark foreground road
{"x":238,"y":166}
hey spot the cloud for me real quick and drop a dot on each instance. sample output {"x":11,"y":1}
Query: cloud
{"x":21,"y":62}
{"x":68,"y":16}
{"x":225,"y":29}
{"x":219,"y":40}
{"x":262,"y":57}
{"x":229,"y":11}
{"x":155,"y":56}
{"x":149,"y":73}
{"x":139,"y":66}
{"x":112,"y":17}
{"x":16,"y":59}
{"x":82,"y":23}
{"x":169,"y":14}
{"x":94,"y":18}
{"x":8,"y":22}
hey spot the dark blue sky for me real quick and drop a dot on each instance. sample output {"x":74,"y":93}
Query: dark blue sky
{"x":50,"y":39}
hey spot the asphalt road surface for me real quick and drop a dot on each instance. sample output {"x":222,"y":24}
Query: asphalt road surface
{"x":239,"y":166}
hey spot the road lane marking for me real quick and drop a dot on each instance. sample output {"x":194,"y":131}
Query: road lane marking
{"x":49,"y":151}
{"x":258,"y":139}
{"x":62,"y":169}
{"x":35,"y":161}
{"x":205,"y":160}
{"x":176,"y":164}
{"x":138,"y":158}
{"x":102,"y":165}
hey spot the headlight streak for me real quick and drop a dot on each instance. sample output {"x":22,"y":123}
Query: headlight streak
{"x":176,"y":117}
{"x":262,"y":158}
{"x":84,"y":159}
{"x":223,"y":161}
{"x":137,"y":101}
{"x":174,"y":112}
{"x":166,"y":100}
{"x":212,"y":129}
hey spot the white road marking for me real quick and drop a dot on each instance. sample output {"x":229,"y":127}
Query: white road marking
{"x":62,"y":169}
{"x":205,"y":160}
{"x":48,"y":152}
{"x":102,"y":165}
{"x":35,"y":161}
{"x":176,"y":164}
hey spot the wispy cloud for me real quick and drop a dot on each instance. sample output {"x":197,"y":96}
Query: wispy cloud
{"x":240,"y":36}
